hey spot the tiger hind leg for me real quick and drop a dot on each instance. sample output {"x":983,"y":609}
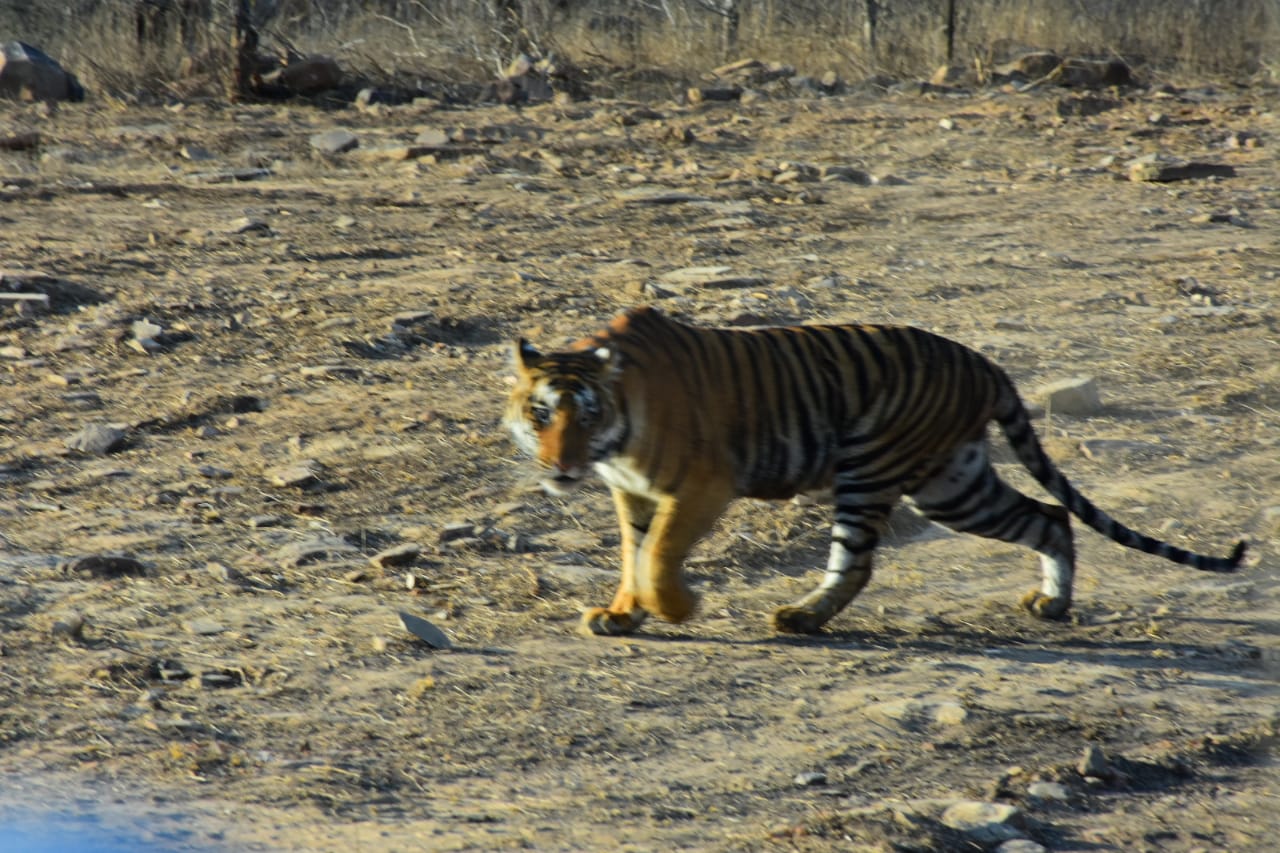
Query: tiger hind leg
{"x":860,"y":520}
{"x":967,"y":495}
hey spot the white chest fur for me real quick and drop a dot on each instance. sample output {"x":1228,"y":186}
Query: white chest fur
{"x":619,"y":473}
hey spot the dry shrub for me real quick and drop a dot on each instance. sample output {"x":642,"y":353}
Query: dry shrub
{"x":136,"y":46}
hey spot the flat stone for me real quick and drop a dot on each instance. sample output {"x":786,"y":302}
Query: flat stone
{"x":1049,"y":791}
{"x":204,"y":627}
{"x":425,"y":631}
{"x":399,"y":555}
{"x":986,"y":823}
{"x":97,"y":439}
{"x":103,"y":566}
{"x":1077,"y":395}
{"x":1094,"y":763}
{"x":297,"y":476}
{"x":949,"y":713}
{"x":297,"y":554}
{"x":334,"y":141}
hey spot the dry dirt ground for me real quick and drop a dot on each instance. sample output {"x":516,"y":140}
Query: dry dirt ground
{"x":246,"y":684}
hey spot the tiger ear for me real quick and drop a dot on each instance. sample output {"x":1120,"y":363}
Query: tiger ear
{"x":525,"y":354}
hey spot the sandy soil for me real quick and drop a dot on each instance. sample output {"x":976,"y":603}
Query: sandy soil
{"x":236,"y":690}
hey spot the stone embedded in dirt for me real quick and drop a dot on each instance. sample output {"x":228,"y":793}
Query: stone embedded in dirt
{"x":1094,"y":763}
{"x":103,"y":566}
{"x":1077,"y":395}
{"x":247,"y":225}
{"x":399,"y":555}
{"x":29,"y":74}
{"x":848,"y":174}
{"x":302,"y":474}
{"x":221,"y":571}
{"x":1049,"y":791}
{"x":1083,"y":106}
{"x":258,"y":521}
{"x":204,"y":627}
{"x":950,"y":713}
{"x":425,"y":631}
{"x":226,"y":176}
{"x":213,"y":472}
{"x":432,"y":137}
{"x":811,"y":779}
{"x":329,"y":371}
{"x":714,"y":277}
{"x":1021,"y":845}
{"x":335,"y":141}
{"x":70,"y":626}
{"x":26,"y":303}
{"x":699,"y":94}
{"x":145,"y":330}
{"x":1163,"y":169}
{"x":1113,"y":448}
{"x":98,"y":439}
{"x":458,"y":530}
{"x":986,"y":823}
{"x":646,"y":195}
{"x":297,"y":554}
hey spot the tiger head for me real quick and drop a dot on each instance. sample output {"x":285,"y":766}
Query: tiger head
{"x":564,"y":412}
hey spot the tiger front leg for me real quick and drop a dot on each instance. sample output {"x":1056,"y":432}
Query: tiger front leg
{"x":654,"y":581}
{"x":625,"y":615}
{"x":854,"y":536}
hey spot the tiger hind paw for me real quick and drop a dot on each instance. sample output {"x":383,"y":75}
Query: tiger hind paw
{"x":1045,"y":606}
{"x":797,"y":620}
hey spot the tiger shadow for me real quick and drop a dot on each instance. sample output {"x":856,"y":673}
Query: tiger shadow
{"x":1047,"y":643}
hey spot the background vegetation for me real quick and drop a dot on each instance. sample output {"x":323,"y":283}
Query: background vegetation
{"x":138,"y":46}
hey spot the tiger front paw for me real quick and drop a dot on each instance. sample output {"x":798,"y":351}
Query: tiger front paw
{"x":797,"y":620}
{"x":1044,"y":606}
{"x":611,"y":623}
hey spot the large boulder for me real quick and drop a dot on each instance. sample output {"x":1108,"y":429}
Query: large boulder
{"x":28,"y":74}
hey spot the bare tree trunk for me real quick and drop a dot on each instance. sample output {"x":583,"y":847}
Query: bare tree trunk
{"x":244,"y":51}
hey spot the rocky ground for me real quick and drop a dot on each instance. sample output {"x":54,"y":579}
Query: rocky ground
{"x":236,"y":368}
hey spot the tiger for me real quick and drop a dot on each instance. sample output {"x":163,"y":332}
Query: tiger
{"x":680,"y":420}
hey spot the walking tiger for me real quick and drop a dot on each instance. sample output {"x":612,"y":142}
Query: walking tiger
{"x":680,"y":420}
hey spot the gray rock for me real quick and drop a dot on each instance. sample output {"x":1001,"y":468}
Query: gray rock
{"x":70,"y":626}
{"x":986,"y":823}
{"x":1094,"y":763}
{"x":1077,"y":395}
{"x":299,"y":475}
{"x":425,"y":631}
{"x":812,"y":778}
{"x":27,"y":73}
{"x":400,"y":555}
{"x":949,"y":714}
{"x":1021,"y":845}
{"x":97,"y":439}
{"x":1049,"y":791}
{"x":335,"y":141}
{"x":204,"y":627}
{"x":103,"y":566}
{"x":297,"y":554}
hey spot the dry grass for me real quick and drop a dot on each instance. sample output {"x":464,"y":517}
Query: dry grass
{"x":114,"y":49}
